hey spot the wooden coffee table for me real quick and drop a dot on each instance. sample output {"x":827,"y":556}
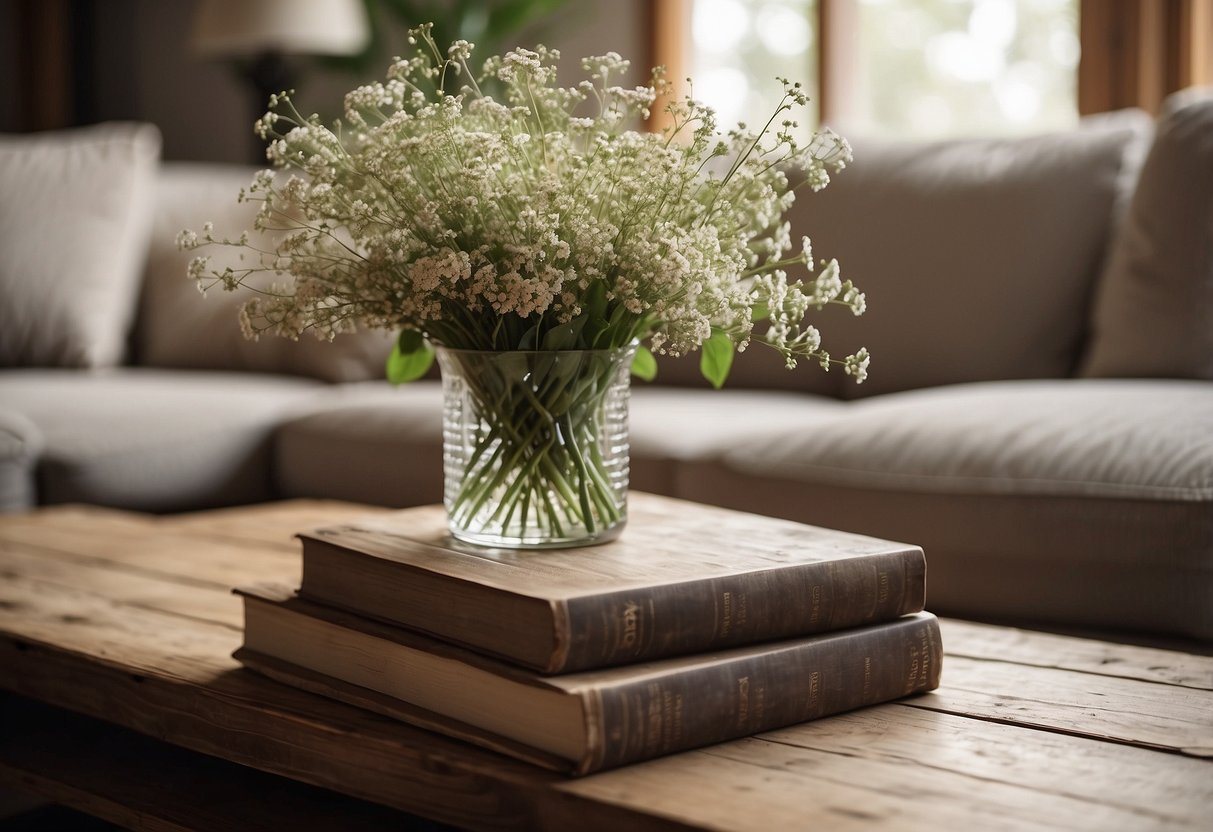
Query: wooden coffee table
{"x":121,"y":700}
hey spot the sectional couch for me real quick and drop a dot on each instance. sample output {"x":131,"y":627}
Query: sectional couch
{"x":1039,"y":414}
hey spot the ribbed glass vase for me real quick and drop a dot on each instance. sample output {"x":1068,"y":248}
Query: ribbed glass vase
{"x":535,"y":446}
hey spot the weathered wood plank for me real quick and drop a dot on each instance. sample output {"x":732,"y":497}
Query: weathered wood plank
{"x":895,"y":767}
{"x":1036,"y":649}
{"x":143,"y":642}
{"x":139,"y":783}
{"x":173,"y":678}
{"x":128,"y":619}
{"x":270,"y":524}
{"x":1169,"y":788}
{"x":1148,"y":714}
{"x":76,"y":513}
{"x":178,"y":557}
{"x":204,"y":602}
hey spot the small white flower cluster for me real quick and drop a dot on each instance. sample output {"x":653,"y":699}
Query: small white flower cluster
{"x":488,"y":222}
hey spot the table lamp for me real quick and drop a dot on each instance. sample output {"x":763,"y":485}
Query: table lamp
{"x":261,"y":35}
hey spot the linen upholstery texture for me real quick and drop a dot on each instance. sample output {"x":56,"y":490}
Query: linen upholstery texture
{"x":371,"y":443}
{"x":20,"y":447}
{"x":1075,"y":502}
{"x":75,"y":213}
{"x":978,"y":257}
{"x":1153,"y":315}
{"x":178,"y":328}
{"x":153,"y":440}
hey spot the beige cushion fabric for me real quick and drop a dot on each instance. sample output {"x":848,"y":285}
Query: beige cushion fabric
{"x":1133,"y":565}
{"x":669,"y":427}
{"x":153,"y":440}
{"x":369,"y":443}
{"x":378,"y":444}
{"x":1154,"y":311}
{"x":180,"y":328}
{"x":1090,"y":438}
{"x":1086,"y":503}
{"x":20,"y":445}
{"x":75,"y":209}
{"x":978,"y":257}
{"x":758,"y":368}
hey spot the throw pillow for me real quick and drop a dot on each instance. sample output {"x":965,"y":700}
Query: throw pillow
{"x":978,"y":256}
{"x":1153,"y":314}
{"x":75,"y":212}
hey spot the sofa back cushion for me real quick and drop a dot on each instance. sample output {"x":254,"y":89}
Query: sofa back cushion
{"x":180,"y":328}
{"x":1153,"y":314}
{"x":75,"y":210}
{"x":978,"y":257}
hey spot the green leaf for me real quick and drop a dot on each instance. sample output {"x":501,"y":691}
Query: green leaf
{"x":644,"y":365}
{"x":759,"y":311}
{"x":411,"y":357}
{"x":717,"y":358}
{"x":529,"y":339}
{"x":564,"y":336}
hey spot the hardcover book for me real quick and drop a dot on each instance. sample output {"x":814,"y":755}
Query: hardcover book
{"x":684,"y":578}
{"x":593,"y":720}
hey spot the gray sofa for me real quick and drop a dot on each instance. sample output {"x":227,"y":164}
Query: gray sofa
{"x":1039,"y":414}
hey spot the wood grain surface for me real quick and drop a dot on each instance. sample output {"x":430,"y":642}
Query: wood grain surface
{"x":129,"y":620}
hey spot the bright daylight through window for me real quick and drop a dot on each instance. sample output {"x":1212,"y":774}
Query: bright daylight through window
{"x":912,"y":68}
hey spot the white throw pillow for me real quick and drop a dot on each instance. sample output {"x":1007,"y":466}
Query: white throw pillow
{"x":75,"y":213}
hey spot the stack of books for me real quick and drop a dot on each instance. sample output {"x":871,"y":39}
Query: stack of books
{"x":697,"y":626}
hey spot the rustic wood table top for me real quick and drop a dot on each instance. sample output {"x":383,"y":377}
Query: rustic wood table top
{"x":121,"y":699}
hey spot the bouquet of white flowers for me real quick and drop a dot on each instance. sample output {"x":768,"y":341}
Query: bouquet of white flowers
{"x":536,"y":221}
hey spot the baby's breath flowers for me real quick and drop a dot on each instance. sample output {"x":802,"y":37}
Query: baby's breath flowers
{"x":538,"y":221}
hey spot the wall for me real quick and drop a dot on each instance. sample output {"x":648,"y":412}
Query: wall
{"x":143,"y":69}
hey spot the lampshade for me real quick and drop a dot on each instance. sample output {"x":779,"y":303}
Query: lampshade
{"x":243,"y":28}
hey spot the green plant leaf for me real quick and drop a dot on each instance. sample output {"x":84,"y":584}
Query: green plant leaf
{"x":564,"y":336}
{"x":644,"y":365}
{"x":759,"y":311}
{"x":410,"y":358}
{"x":716,"y":358}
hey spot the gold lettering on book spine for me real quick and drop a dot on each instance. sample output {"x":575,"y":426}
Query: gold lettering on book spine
{"x":629,"y":630}
{"x":743,"y":701}
{"x":815,"y":604}
{"x":814,"y":691}
{"x":733,"y":613}
{"x":882,"y":592}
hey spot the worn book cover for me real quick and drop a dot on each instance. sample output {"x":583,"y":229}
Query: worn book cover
{"x":583,"y":722}
{"x":682,"y":579}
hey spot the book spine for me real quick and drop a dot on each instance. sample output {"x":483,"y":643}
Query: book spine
{"x":656,"y":622}
{"x":747,"y":695}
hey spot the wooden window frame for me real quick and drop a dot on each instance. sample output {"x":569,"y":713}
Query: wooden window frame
{"x":1134,"y":52}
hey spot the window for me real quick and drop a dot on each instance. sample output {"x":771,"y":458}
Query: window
{"x":920,"y":68}
{"x":738,"y":47}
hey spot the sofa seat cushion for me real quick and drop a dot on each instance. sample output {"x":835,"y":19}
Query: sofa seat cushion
{"x":1086,"y":503}
{"x":377,"y":444}
{"x":20,"y":447}
{"x":152,"y":440}
{"x":368,"y":443}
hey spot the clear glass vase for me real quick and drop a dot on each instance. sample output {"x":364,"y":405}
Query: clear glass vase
{"x":535,"y":446}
